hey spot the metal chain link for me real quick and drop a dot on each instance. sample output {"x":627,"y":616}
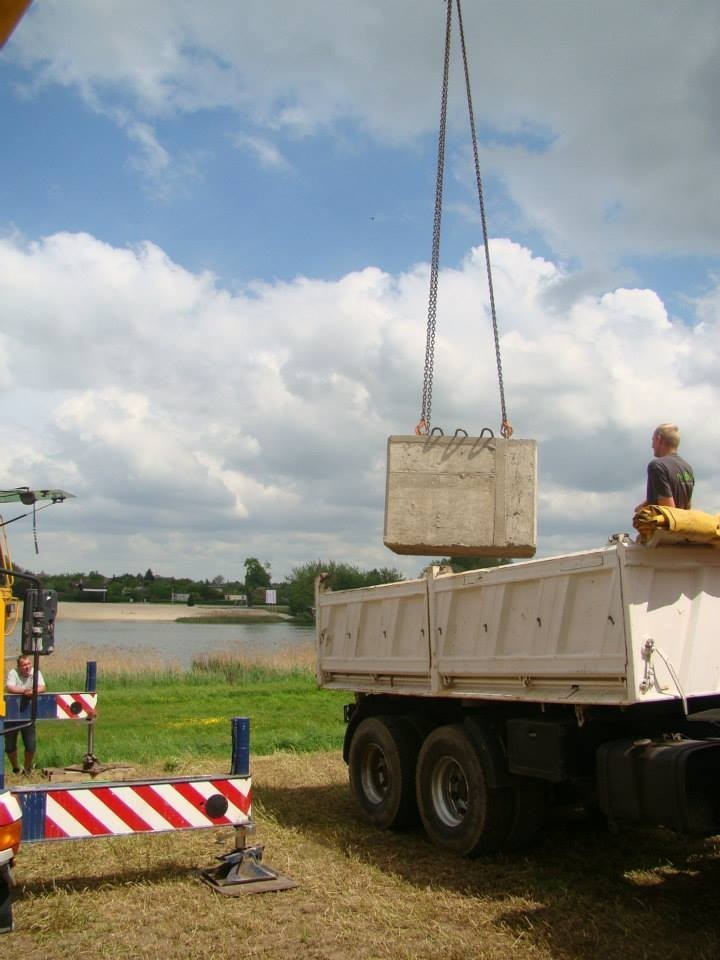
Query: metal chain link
{"x":505,"y":426}
{"x":424,"y":425}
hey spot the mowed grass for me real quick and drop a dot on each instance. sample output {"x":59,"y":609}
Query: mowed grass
{"x":579,"y":893}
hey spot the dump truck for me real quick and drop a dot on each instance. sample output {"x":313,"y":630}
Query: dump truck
{"x":481,"y":698}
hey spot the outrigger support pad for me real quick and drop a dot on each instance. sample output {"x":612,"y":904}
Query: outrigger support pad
{"x":241,"y":871}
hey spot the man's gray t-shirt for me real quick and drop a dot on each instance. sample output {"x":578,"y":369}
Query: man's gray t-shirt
{"x":670,"y":476}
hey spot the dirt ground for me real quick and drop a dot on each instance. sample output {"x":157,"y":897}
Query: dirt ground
{"x":578,"y":894}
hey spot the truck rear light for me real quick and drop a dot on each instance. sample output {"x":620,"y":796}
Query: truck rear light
{"x":10,"y":834}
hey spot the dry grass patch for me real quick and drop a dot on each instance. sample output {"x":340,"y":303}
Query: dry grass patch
{"x":117,"y":662}
{"x":280,"y":659}
{"x":577,"y":895}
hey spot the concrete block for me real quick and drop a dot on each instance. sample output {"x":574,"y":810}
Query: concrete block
{"x":461,"y":496}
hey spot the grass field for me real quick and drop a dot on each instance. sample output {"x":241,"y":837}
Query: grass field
{"x":578,"y":894}
{"x":172,"y":718}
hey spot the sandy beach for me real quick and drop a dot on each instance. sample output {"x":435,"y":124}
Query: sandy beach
{"x":149,"y":612}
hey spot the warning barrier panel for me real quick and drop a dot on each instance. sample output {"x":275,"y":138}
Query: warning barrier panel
{"x":75,"y":706}
{"x":52,"y":706}
{"x":80,"y":811}
{"x":9,"y":809}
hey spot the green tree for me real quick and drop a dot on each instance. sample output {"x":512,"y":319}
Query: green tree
{"x":257,"y":581}
{"x":341,"y":576}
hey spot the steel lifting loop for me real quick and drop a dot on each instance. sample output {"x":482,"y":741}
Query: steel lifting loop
{"x":488,"y":431}
{"x":437,"y":432}
{"x":460,"y":432}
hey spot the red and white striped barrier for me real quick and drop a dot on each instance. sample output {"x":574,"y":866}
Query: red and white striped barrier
{"x":75,"y":706}
{"x":52,"y":706}
{"x":9,"y":809}
{"x":83,"y":811}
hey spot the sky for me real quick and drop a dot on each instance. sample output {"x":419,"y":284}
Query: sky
{"x":215,"y":235}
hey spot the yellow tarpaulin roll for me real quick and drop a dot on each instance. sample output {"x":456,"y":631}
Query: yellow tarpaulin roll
{"x":691,"y":525}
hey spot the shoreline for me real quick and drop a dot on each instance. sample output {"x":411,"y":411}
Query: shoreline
{"x":149,"y":612}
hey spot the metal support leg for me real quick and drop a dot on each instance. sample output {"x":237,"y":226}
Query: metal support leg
{"x":241,"y":871}
{"x":90,"y":763}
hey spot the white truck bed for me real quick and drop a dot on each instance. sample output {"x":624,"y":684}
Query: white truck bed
{"x":621,"y":625}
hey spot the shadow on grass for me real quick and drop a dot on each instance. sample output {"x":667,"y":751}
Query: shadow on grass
{"x":584,"y":893}
{"x":122,"y":877}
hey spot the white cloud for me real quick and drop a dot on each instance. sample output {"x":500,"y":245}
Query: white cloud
{"x":153,"y":158}
{"x":204,"y":425}
{"x":266,"y":153}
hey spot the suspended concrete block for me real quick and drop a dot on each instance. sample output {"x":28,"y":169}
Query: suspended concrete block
{"x":461,"y":496}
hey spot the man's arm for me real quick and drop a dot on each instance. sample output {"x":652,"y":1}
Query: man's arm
{"x":660,"y":501}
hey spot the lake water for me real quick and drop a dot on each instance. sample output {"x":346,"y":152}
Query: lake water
{"x":175,"y":643}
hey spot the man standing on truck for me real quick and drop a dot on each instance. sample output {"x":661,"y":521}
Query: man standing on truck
{"x":670,"y":479}
{"x":20,"y":681}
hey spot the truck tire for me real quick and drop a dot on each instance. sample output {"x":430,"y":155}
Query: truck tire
{"x":459,"y":811}
{"x":381,"y":764}
{"x":6,"y":918}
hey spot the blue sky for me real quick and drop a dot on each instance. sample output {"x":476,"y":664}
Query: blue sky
{"x":227,"y":210}
{"x":215,"y":228}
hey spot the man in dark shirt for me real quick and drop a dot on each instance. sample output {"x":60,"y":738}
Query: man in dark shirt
{"x":670,"y":479}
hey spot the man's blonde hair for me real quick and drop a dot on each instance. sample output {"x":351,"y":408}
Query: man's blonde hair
{"x":670,"y":433}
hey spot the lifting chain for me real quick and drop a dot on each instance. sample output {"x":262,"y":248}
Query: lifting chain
{"x":424,"y":426}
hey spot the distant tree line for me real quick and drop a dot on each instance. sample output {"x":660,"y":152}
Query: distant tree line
{"x":134,"y":587}
{"x":296,"y":592}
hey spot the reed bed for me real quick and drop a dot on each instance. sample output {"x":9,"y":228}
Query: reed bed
{"x":128,"y":667}
{"x":286,"y":661}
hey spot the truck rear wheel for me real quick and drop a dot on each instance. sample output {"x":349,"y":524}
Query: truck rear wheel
{"x":381,"y":763}
{"x":459,"y":810}
{"x":6,"y":919}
